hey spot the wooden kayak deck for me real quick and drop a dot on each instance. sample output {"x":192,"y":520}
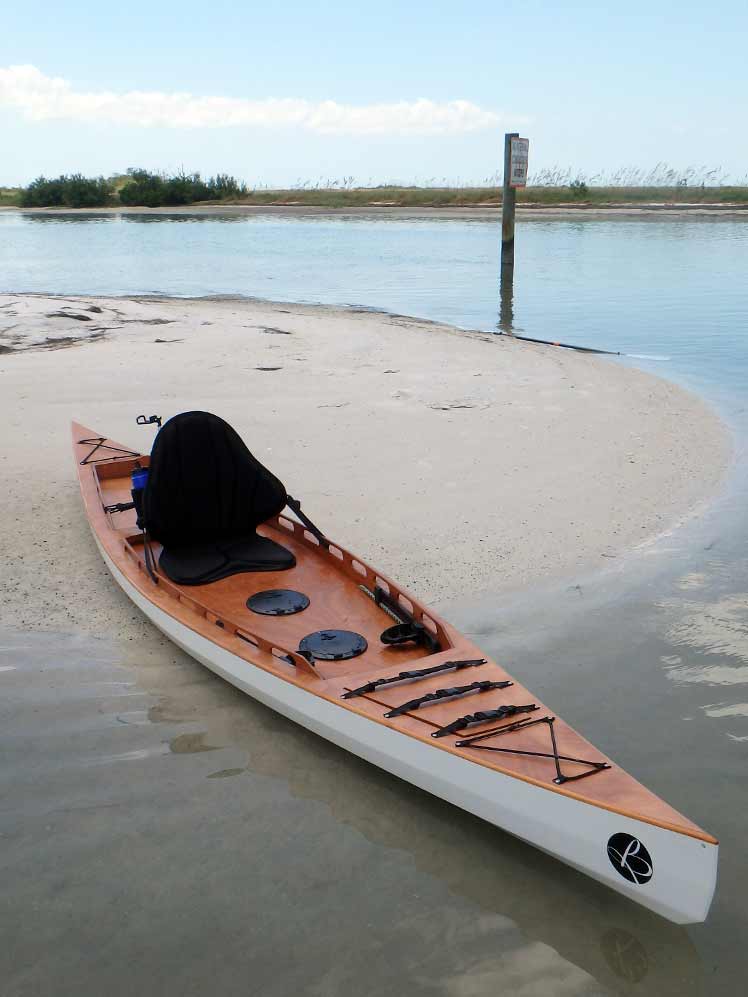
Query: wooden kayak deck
{"x":340,"y":588}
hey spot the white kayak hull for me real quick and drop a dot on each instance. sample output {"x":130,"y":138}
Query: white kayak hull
{"x":683,"y":868}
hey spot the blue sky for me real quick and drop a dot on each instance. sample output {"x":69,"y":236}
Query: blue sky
{"x":393,"y":91}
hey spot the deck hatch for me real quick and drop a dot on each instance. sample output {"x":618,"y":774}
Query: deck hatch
{"x":278,"y":602}
{"x":333,"y":645}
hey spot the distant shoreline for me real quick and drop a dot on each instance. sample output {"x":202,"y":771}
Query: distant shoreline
{"x":524,"y":211}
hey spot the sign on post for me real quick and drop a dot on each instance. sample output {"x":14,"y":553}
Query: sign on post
{"x":515,"y":175}
{"x":520,"y":148}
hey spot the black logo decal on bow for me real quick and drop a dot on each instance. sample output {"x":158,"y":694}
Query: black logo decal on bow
{"x":630,"y":858}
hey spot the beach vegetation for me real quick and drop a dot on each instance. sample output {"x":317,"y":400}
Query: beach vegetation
{"x":74,"y":191}
{"x":579,"y":190}
{"x":556,"y":186}
{"x":155,"y":190}
{"x":135,"y":188}
{"x":10,"y":197}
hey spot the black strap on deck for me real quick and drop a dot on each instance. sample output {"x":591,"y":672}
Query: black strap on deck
{"x":440,"y":694}
{"x":119,"y":507}
{"x":561,"y":778}
{"x":482,"y":716}
{"x":150,"y":560}
{"x":295,"y":506}
{"x":417,"y":674}
{"x":100,"y":443}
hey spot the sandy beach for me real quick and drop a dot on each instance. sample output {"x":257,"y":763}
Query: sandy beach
{"x":458,"y":462}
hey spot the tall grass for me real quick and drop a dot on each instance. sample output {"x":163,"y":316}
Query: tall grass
{"x":10,"y":197}
{"x":661,"y":183}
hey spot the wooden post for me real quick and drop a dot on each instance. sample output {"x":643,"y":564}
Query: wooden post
{"x":508,"y":204}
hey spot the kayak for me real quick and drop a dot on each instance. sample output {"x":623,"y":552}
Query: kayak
{"x":210,"y":547}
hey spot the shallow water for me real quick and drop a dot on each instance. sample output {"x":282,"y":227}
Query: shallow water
{"x":163,"y":834}
{"x":672,"y":288}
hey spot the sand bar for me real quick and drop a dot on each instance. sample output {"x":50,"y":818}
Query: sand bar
{"x":459,"y":462}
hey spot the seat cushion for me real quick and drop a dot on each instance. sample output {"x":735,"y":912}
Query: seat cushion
{"x":204,"y":486}
{"x":203,"y":563}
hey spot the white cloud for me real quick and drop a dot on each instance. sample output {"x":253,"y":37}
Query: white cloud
{"x":43,"y":98}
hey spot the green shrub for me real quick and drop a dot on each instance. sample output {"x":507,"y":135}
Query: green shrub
{"x":142,"y":188}
{"x":579,"y":190}
{"x":153,"y":190}
{"x":74,"y":191}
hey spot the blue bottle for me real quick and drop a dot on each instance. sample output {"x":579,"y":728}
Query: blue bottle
{"x":138,"y":481}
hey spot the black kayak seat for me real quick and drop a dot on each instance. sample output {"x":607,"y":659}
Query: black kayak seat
{"x":204,"y":563}
{"x":205,"y":497}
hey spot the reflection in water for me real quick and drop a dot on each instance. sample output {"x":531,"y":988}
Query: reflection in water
{"x":626,"y":955}
{"x":181,"y":216}
{"x":704,"y":674}
{"x":114,"y":217}
{"x":531,"y":920}
{"x":506,"y":301}
{"x":72,"y":219}
{"x":729,"y":710}
{"x":718,"y":628}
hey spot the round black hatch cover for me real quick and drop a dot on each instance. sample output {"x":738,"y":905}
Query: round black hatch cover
{"x":277,"y":602}
{"x":333,"y":645}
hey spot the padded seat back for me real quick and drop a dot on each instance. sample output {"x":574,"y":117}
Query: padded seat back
{"x":204,"y":486}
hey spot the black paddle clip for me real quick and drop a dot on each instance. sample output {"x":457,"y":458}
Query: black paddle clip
{"x":407,"y":630}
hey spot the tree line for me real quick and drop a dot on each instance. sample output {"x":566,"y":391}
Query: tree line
{"x":140,"y":188}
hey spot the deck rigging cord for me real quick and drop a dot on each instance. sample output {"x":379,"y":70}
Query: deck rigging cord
{"x":418,"y":673}
{"x":520,"y":725}
{"x":100,"y":443}
{"x":481,"y":717}
{"x":440,"y":694}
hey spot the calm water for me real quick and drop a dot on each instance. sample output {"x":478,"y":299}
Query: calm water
{"x":165,"y":834}
{"x":670,"y":288}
